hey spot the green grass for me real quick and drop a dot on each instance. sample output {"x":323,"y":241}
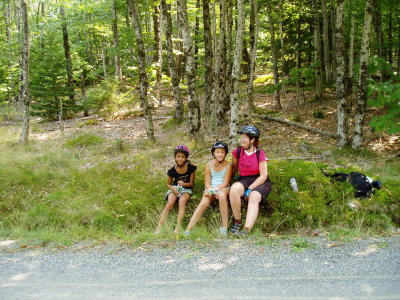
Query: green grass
{"x":87,"y":187}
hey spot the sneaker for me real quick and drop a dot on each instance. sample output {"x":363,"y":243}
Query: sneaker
{"x":223,"y":232}
{"x":236,"y":227}
{"x":186,"y":233}
{"x":241,"y":234}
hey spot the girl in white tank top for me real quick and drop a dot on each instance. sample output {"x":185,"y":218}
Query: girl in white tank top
{"x":217,"y":176}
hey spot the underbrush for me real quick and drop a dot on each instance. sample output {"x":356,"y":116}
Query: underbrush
{"x":84,"y":186}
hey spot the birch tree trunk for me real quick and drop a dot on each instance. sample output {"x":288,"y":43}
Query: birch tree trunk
{"x":298,"y":61}
{"x":349,"y":85}
{"x":236,"y":73}
{"x":208,"y":49}
{"x":67,"y":52}
{"x":175,"y":78}
{"x":317,"y":54}
{"x":188,"y":47}
{"x":278,"y":105}
{"x":342,"y":117}
{"x":226,"y":95}
{"x":147,"y":109}
{"x":25,"y":90}
{"x":157,"y":25}
{"x":328,"y":73}
{"x":220,"y":76}
{"x":118,"y":72}
{"x":249,"y":104}
{"x":362,"y":80}
{"x":7,"y":21}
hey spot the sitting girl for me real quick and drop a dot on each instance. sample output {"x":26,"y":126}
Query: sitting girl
{"x":180,"y":183}
{"x":216,"y":178}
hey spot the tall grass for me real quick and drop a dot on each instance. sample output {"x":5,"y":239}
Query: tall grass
{"x":84,"y":186}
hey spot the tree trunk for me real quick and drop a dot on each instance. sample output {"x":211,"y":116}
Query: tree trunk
{"x":379,"y":33}
{"x":147,"y":109}
{"x":208,"y":49}
{"x":103,"y":59}
{"x":236,"y":72}
{"x":278,"y":105}
{"x":342,"y":117}
{"x":25,"y":90}
{"x":7,"y":21}
{"x":328,"y":73}
{"x":249,"y":104}
{"x":283,"y":62}
{"x":298,"y":62}
{"x":197,"y":34}
{"x":157,"y":25}
{"x":333,"y":26}
{"x":175,"y":78}
{"x":220,"y":88}
{"x":390,"y":37}
{"x":362,"y":81}
{"x":67,"y":52}
{"x":349,"y":81}
{"x":226,"y":93}
{"x":118,"y":72}
{"x":317,"y":54}
{"x":299,"y":125}
{"x":188,"y":47}
{"x":61,"y":114}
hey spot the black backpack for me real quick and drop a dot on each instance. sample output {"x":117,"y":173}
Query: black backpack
{"x":364,"y":187}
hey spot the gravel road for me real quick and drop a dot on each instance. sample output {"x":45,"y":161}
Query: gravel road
{"x":295,"y":268}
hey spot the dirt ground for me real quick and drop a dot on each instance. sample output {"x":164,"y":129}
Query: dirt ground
{"x":280,"y":140}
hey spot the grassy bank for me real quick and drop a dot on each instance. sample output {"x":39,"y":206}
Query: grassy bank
{"x":84,"y":186}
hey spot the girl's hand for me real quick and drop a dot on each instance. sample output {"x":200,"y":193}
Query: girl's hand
{"x":181,"y":182}
{"x":175,"y":190}
{"x":206,"y":193}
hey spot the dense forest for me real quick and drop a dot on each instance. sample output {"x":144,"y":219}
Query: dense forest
{"x":61,"y":58}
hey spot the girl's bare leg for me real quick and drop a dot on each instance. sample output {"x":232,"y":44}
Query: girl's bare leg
{"x":181,"y":212}
{"x":200,"y":209}
{"x":170,"y":204}
{"x":223,"y":207}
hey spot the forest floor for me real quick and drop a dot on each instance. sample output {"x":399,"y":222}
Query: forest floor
{"x":279,"y":140}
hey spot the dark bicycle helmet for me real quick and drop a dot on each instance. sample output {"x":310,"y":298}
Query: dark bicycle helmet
{"x":220,"y":145}
{"x":182,"y":149}
{"x":250,"y":130}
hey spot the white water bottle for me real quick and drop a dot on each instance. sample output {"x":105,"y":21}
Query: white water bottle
{"x":293,"y":183}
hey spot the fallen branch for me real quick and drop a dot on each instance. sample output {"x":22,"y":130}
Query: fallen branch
{"x":302,"y":126}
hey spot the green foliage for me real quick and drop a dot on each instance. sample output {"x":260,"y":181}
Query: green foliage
{"x":85,"y":140}
{"x":385,"y":94}
{"x":102,"y":189}
{"x":318,"y":114}
{"x":107,"y":98}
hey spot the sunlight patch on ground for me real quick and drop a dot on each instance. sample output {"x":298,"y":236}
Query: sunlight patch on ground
{"x":6,"y":243}
{"x":212,"y":267}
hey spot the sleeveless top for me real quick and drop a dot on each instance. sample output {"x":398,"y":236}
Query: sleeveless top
{"x":217,"y":178}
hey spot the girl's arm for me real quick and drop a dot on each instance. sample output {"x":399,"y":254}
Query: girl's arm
{"x":263,"y":175}
{"x":227,"y":178}
{"x":207,"y":177}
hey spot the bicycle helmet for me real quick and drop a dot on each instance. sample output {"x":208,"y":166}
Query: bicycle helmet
{"x":220,"y":145}
{"x":250,"y":131}
{"x":182,"y":149}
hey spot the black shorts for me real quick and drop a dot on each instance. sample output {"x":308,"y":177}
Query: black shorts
{"x":263,"y":189}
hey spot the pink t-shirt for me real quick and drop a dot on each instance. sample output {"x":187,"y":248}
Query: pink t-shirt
{"x":248,"y":164}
